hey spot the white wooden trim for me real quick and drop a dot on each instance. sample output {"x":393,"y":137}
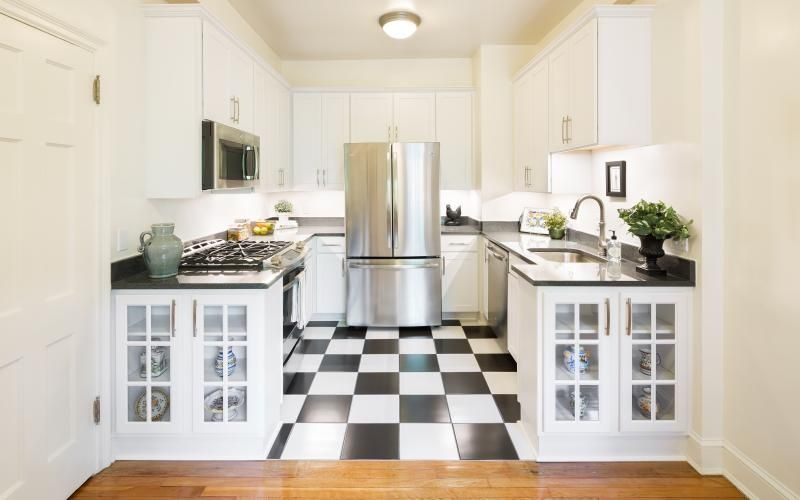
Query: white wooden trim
{"x":41,"y":20}
{"x":197,"y":10}
{"x":705,"y":455}
{"x":363,"y":90}
{"x":753,"y":480}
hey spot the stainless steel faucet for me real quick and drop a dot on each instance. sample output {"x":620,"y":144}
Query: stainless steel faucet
{"x":601,"y":244}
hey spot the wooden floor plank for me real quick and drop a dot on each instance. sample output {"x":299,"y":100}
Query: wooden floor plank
{"x":354,"y":480}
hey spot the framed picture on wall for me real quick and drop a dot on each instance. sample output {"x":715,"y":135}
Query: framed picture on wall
{"x":532,"y":220}
{"x":615,"y":179}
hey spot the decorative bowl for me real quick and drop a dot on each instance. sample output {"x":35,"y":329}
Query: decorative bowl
{"x":213,"y":403}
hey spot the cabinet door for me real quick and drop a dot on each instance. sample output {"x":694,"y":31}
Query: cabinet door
{"x":484,"y":260}
{"x":330,"y":285}
{"x":241,"y":85}
{"x":218,"y":103}
{"x":415,"y":117}
{"x":580,"y":359}
{"x":582,"y":123}
{"x":460,"y":282}
{"x":335,"y":134}
{"x":370,"y":117}
{"x":515,"y":310}
{"x":539,"y":152}
{"x":307,"y":140}
{"x":523,"y":131}
{"x":654,"y":362}
{"x":558,"y":97}
{"x":263,"y":111}
{"x":227,"y":338}
{"x":454,"y":134}
{"x":149,"y":364}
{"x":284,"y":121}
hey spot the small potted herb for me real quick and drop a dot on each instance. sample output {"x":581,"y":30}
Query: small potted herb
{"x":284,"y":208}
{"x":653,"y":223}
{"x":556,"y":224}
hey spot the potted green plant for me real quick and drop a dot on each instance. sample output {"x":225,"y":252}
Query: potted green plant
{"x":653,"y":223}
{"x":283,"y":208}
{"x":556,"y":224}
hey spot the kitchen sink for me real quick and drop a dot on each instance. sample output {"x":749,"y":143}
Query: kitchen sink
{"x":566,"y":256}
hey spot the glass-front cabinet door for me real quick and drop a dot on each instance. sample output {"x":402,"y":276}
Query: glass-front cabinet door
{"x":225,"y":357}
{"x":579,"y":362}
{"x":147,"y":363}
{"x":653,"y":362}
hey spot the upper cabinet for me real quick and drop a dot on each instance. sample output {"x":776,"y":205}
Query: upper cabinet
{"x":271,"y":123}
{"x":454,"y":133}
{"x":388,"y":117}
{"x":227,"y":81}
{"x":321,"y":128}
{"x":531,"y":151}
{"x":371,"y":117}
{"x":415,"y":117}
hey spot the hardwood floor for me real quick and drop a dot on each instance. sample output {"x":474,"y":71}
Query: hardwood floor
{"x":400,"y":479}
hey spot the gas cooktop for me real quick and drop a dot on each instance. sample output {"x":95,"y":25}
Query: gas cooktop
{"x":230,"y":255}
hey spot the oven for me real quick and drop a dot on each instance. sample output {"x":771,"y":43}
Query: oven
{"x":294,"y":316}
{"x":230,"y":157}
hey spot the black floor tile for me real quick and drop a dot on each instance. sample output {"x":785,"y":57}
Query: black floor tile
{"x":340,"y":363}
{"x":381,"y":346}
{"x":416,"y":332}
{"x":452,"y":346}
{"x":451,"y":322}
{"x":300,"y":383}
{"x":378,"y":383}
{"x":479,"y":332}
{"x":496,"y":362}
{"x":484,"y":442}
{"x":371,"y":441}
{"x":312,"y":346}
{"x":322,"y":323}
{"x":325,"y":409}
{"x":508,"y":406}
{"x":424,"y":409}
{"x":280,"y":442}
{"x":464,"y":383}
{"x":419,"y":363}
{"x":350,"y":332}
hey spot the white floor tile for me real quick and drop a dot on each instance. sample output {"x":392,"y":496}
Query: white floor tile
{"x":417,"y":346}
{"x":315,"y":442}
{"x":318,"y":332}
{"x":374,"y":409}
{"x":421,"y":383}
{"x":345,"y":346}
{"x":473,"y":409}
{"x":521,"y":442}
{"x":291,"y":406}
{"x":334,"y":383}
{"x":448,"y":332}
{"x":486,"y":346}
{"x":458,"y":363}
{"x":379,"y":363}
{"x":501,"y":382}
{"x":382,"y":333}
{"x":307,"y":362}
{"x":428,"y":442}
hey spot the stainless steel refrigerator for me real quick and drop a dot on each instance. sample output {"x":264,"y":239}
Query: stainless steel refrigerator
{"x":392,"y":232}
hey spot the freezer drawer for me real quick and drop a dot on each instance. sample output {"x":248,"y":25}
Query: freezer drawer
{"x":394,"y":292}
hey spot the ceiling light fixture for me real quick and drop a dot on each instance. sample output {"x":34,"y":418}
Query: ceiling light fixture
{"x":400,"y":24}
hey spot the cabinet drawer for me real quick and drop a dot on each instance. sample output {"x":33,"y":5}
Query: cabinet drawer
{"x":459,"y":243}
{"x":330,"y":244}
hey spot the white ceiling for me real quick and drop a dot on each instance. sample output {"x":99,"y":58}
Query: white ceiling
{"x":348,"y":29}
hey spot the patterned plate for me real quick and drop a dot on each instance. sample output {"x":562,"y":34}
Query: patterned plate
{"x":159,"y":402}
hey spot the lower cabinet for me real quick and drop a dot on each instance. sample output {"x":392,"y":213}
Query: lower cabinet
{"x":198,"y":370}
{"x":329,"y":278}
{"x":460,"y":287}
{"x":607,"y":376}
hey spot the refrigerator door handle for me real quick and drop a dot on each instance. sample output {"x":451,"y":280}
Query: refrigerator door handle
{"x":389,"y":229}
{"x":394,"y":200}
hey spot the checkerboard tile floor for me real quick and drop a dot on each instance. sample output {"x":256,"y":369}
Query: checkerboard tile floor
{"x":446,"y":392}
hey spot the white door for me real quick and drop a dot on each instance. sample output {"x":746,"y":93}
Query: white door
{"x":460,"y":282}
{"x":582,"y":122}
{"x":307,"y":140}
{"x":559,"y":80}
{"x":329,"y":284}
{"x":454,"y":134}
{"x":370,"y":117}
{"x":415,"y":117}
{"x":49,"y":295}
{"x":335,"y":134}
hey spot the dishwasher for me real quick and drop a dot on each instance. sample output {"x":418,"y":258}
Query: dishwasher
{"x":498,"y":292}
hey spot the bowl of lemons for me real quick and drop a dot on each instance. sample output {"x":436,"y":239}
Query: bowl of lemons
{"x":263,"y":227}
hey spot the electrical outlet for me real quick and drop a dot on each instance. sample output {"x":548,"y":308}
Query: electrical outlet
{"x":122,"y":240}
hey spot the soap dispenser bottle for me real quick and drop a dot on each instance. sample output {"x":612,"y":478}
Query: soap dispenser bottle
{"x":614,"y":249}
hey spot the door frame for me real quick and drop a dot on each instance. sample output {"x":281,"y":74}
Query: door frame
{"x":27,"y":13}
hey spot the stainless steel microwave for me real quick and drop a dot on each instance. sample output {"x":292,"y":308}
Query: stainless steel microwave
{"x":230,"y":157}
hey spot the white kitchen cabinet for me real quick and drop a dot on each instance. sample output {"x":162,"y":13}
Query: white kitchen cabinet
{"x":454,"y":134}
{"x":513,"y":316}
{"x":270,"y":122}
{"x":371,"y":117}
{"x":483,"y":260}
{"x":227,"y":81}
{"x":460,"y":268}
{"x":531,"y":147}
{"x":335,"y":134}
{"x":415,"y":117}
{"x":321,"y":127}
{"x":329,"y":286}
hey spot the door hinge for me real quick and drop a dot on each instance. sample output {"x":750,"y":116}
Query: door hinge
{"x":96,"y":89}
{"x":96,"y":410}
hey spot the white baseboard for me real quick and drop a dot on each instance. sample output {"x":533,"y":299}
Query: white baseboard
{"x":705,"y":455}
{"x":752,"y":479}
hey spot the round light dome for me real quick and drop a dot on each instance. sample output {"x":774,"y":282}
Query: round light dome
{"x":399,"y":25}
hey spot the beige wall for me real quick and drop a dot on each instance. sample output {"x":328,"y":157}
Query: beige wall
{"x":762,"y":234}
{"x":380,"y":73}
